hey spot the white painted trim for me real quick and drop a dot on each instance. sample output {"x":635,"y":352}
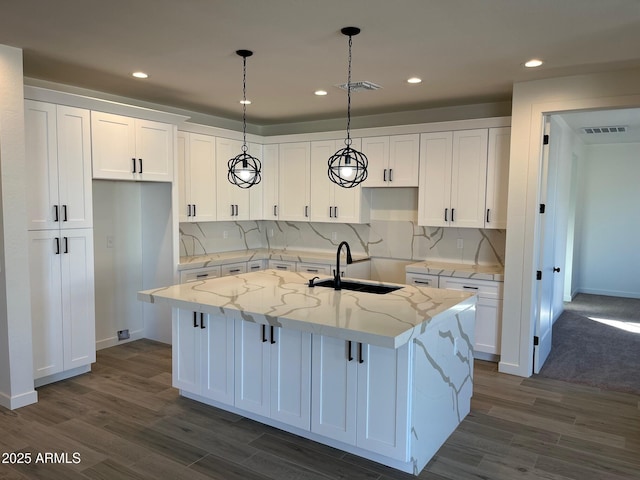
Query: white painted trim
{"x":56,"y":377}
{"x":609,"y":293}
{"x":18,"y":401}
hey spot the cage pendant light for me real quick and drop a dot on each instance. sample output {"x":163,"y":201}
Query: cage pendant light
{"x":244,"y":170}
{"x":348,"y":167}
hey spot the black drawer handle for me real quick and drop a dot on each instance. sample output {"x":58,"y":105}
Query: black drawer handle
{"x":55,"y":213}
{"x":423,"y":282}
{"x":360,"y":359}
{"x":140,"y":160}
{"x":446,"y":212}
{"x":264,"y":333}
{"x":471,"y":288}
{"x":195,"y":319}
{"x":64,"y":213}
{"x":273,"y":340}
{"x":349,"y":356}
{"x":235,"y":270}
{"x":282,"y":267}
{"x":133,"y":161}
{"x":202,"y":275}
{"x":202,"y":320}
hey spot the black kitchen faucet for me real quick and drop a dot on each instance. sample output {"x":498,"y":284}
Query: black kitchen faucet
{"x":337,"y":285}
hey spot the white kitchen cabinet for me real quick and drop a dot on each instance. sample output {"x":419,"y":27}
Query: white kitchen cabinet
{"x":58,"y":166}
{"x":315,"y":268}
{"x":294,"y":177}
{"x":282,"y":265}
{"x":256,"y":265}
{"x":393,"y":160}
{"x":196,"y":274}
{"x":422,"y":280}
{"x":62,"y":300}
{"x":497,"y":177}
{"x":453,"y":172}
{"x":361,"y":395}
{"x":232,"y":201}
{"x":126,"y":148}
{"x":270,"y":178}
{"x":330,"y":202}
{"x":273,"y":373}
{"x":203,"y":354}
{"x":235,"y":268}
{"x":196,"y":177}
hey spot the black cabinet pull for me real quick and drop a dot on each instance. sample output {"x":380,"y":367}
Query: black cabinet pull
{"x":202,"y":320}
{"x":360,"y":359}
{"x":133,"y":161}
{"x":330,"y":212}
{"x":453,"y":210}
{"x":335,"y":212}
{"x":195,"y":319}
{"x":235,"y":270}
{"x":57,"y":241}
{"x":140,"y":160}
{"x":282,"y":267}
{"x":202,"y":275}
{"x":188,"y":210}
{"x":275,"y":210}
{"x":446,"y":211}
{"x":391,"y":174}
{"x":237,"y":210}
{"x":384,"y":175}
{"x":488,"y":215}
{"x":194,"y":209}
{"x":306,"y":210}
{"x":349,"y":356}
{"x":64,"y":213}
{"x":66,"y":245}
{"x":470,"y":288}
{"x":264,"y":333}
{"x":273,"y":340}
{"x":55,"y":213}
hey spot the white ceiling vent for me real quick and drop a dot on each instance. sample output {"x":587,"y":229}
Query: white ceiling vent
{"x":360,"y":86}
{"x":592,"y":130}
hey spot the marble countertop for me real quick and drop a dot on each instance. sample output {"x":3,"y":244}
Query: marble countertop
{"x":284,"y":299}
{"x":212,"y":259}
{"x":460,"y":270}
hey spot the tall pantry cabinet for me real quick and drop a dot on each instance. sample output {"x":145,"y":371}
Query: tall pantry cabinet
{"x":59,"y":196}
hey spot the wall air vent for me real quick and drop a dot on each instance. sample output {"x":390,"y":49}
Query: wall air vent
{"x":592,"y":130}
{"x":360,"y":86}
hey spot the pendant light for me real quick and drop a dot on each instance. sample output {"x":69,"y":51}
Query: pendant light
{"x":244,"y":170}
{"x":348,"y":167}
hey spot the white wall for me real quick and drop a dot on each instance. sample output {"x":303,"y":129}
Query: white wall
{"x":609,"y":221}
{"x":16,"y":360}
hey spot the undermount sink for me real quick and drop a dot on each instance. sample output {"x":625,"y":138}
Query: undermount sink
{"x":358,"y":287}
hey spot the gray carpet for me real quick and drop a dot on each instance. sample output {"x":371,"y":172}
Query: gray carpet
{"x":593,"y":353}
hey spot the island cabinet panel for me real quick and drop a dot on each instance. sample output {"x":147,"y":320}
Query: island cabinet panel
{"x":361,"y":395}
{"x":203,"y":355}
{"x":273,"y":373}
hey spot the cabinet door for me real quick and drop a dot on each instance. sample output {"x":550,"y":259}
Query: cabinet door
{"x":469,"y":178}
{"x":233,"y":269}
{"x":232,"y":201}
{"x":184,"y":177}
{"x":404,"y":162}
{"x":46,"y":302}
{"x":348,"y":204}
{"x":497,"y":177}
{"x":334,"y":390}
{"x":74,"y":167}
{"x":41,"y":165}
{"x":293,"y":183}
{"x":78,"y":302}
{"x":202,"y":177}
{"x":185,"y":350}
{"x":291,"y":377}
{"x":377,"y":151}
{"x":154,"y":146}
{"x":256,"y":191}
{"x":435,"y":179}
{"x":113,"y":147}
{"x":270,"y":164}
{"x":322,"y":199}
{"x":383,"y":401}
{"x":216,"y":359}
{"x":488,"y":325}
{"x":422,"y":280}
{"x":252,"y":369}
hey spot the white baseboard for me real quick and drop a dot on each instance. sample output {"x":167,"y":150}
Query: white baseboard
{"x":18,"y":401}
{"x":609,"y":293}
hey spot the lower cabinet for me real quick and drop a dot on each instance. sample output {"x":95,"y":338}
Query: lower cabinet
{"x":361,"y":395}
{"x":62,"y":300}
{"x":202,"y":356}
{"x":273,"y":373}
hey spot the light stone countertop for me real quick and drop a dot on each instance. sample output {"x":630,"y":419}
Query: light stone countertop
{"x":284,"y":299}
{"x":459,"y":270}
{"x":212,"y":259}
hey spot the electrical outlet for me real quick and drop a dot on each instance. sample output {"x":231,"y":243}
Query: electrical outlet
{"x":123,"y":334}
{"x":109,"y":241}
{"x":460,"y":243}
{"x":225,"y":234}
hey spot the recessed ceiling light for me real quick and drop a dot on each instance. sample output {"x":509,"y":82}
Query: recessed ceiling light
{"x":140,"y":75}
{"x":245,"y":102}
{"x":533,"y":63}
{"x":414,"y":80}
{"x":320,"y":93}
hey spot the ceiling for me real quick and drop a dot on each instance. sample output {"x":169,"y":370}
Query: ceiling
{"x":465,"y":51}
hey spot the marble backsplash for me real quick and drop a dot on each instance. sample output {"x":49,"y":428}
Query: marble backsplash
{"x":402,"y":239}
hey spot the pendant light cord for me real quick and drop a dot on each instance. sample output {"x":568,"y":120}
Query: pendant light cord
{"x":347,"y":141}
{"x":244,"y":104}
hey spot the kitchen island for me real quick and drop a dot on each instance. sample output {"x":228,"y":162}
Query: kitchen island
{"x":386,"y":377}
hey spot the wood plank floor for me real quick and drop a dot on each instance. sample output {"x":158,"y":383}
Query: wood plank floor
{"x":126,"y":422}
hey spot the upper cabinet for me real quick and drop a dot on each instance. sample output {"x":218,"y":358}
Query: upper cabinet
{"x":498,"y":177}
{"x":58,"y":159}
{"x":453,"y":173}
{"x":233,"y":202}
{"x":126,"y":148}
{"x":196,"y":177}
{"x":330,"y":202}
{"x":294,"y":176}
{"x":393,"y":160}
{"x":269,"y":190}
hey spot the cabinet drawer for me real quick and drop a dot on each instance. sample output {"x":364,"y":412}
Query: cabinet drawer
{"x":315,"y":268}
{"x":233,"y":269}
{"x":422,"y":280}
{"x":256,"y":265}
{"x":199,"y":274}
{"x":484,"y":288}
{"x":282,"y":265}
